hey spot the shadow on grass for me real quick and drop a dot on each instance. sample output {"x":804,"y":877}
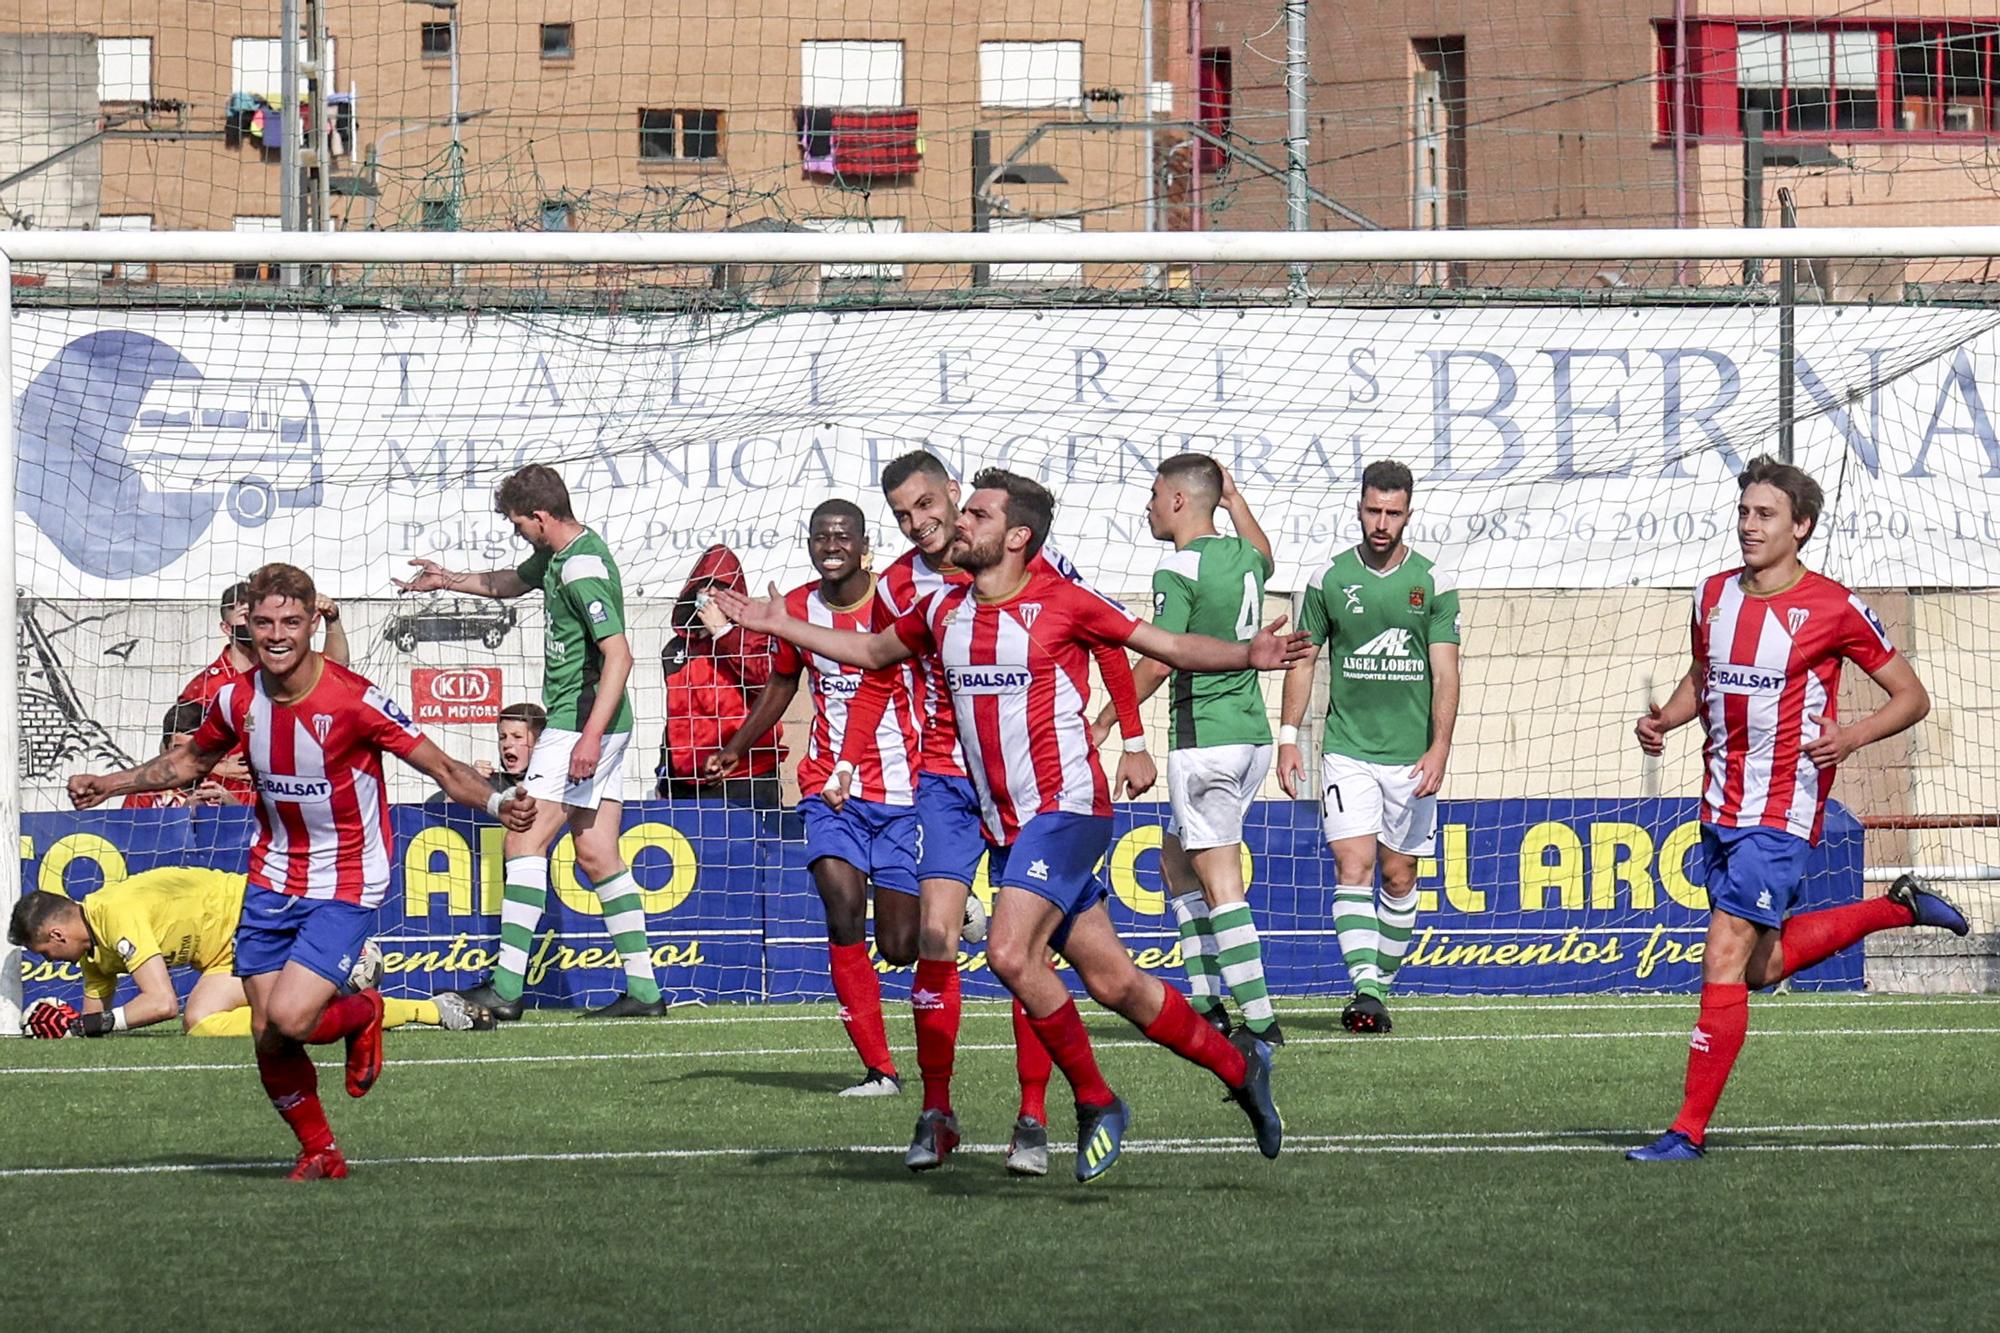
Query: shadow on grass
{"x":791,"y":1080}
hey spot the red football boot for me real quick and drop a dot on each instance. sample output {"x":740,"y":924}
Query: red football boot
{"x":364,"y":1050}
{"x":324,"y":1164}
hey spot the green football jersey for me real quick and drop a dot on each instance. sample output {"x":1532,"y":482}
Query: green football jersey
{"x":1214,"y":586}
{"x":1379,"y":628}
{"x":585,"y":602}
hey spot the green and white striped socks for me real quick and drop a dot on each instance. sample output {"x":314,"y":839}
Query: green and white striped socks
{"x":1198,"y":953}
{"x":1360,"y":931}
{"x":1241,"y":956}
{"x":1398,"y":917}
{"x":526,"y":896}
{"x":625,"y":918}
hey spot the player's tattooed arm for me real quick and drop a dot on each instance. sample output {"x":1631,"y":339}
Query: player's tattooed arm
{"x":433,"y":577}
{"x":177,"y":767}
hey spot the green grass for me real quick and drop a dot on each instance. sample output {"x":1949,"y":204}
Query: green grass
{"x":1460,"y":1174}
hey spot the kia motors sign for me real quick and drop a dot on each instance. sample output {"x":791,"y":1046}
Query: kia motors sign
{"x":455,"y":694}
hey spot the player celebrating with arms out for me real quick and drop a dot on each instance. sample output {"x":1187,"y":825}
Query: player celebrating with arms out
{"x":1769,"y":639}
{"x":1220,"y":735}
{"x":575,"y":767}
{"x":950,"y":836}
{"x":1389,"y":618}
{"x":1013,"y":644}
{"x":871,"y":836}
{"x":314,"y":733}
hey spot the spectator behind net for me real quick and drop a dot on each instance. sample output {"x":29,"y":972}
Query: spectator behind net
{"x":713,"y":669}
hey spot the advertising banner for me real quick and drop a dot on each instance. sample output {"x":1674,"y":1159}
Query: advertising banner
{"x":1527,"y":897}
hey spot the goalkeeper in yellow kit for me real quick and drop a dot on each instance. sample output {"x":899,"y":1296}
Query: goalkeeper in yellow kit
{"x":176,"y":916}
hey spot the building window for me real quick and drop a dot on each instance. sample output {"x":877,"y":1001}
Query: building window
{"x":438,"y":215}
{"x":434,"y":41}
{"x":558,"y":41}
{"x":851,"y":74}
{"x":859,"y":272}
{"x":1040,"y":275}
{"x":126,"y":222}
{"x":124,"y":69}
{"x":680,"y":134}
{"x":256,"y":66}
{"x":1832,"y":78}
{"x":1214,"y":95}
{"x":256,"y":271}
{"x":557,"y":215}
{"x":1030,"y":74}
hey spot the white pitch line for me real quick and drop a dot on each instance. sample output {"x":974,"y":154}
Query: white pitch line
{"x":1159,"y":1147}
{"x":769,"y":1052}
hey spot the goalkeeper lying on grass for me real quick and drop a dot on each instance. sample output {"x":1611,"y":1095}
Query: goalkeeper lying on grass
{"x":176,"y":916}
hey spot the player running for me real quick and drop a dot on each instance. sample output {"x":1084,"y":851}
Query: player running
{"x":1014,"y":648}
{"x":1769,"y":639}
{"x":951,"y":840}
{"x":575,"y":769}
{"x":1389,"y":618}
{"x":1219,"y":745}
{"x":314,"y":733}
{"x":176,"y":916}
{"x":871,"y":836}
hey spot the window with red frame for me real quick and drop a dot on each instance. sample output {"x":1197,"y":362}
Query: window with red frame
{"x":1214,"y":95}
{"x":1879,"y":79}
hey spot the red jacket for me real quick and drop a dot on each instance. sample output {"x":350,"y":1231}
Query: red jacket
{"x":712,"y":681}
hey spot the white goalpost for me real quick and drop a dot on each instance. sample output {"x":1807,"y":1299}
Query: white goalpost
{"x":1574,"y":404}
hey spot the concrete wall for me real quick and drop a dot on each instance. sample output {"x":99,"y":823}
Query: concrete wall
{"x":48,"y":102}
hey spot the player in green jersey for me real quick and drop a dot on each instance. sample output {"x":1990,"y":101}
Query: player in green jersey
{"x":1219,"y":745}
{"x":574,"y":771}
{"x":1389,"y":619}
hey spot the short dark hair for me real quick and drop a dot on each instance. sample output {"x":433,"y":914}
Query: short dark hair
{"x":536,"y":716}
{"x":1387,"y":475}
{"x":1029,"y":504}
{"x":1804,"y":494}
{"x":284,"y":581}
{"x":234,"y":596}
{"x":33,"y":912}
{"x":182,"y":718}
{"x":535,"y":489}
{"x":905,"y":466}
{"x":839,"y":508}
{"x":1197,"y":473}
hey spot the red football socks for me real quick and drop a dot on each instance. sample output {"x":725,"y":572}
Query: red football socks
{"x":1032,"y":1066}
{"x":860,"y":993}
{"x":1068,"y":1043}
{"x":1813,"y":937}
{"x":346,"y":1016}
{"x":1718,"y":1038}
{"x":292,"y":1084}
{"x":934,"y":1004}
{"x":1181,"y":1030}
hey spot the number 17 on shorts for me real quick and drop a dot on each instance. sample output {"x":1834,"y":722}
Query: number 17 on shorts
{"x":1364,"y":800}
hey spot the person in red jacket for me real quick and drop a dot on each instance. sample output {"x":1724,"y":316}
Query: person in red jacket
{"x":713,"y":671}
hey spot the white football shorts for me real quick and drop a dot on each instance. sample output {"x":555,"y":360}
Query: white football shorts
{"x":1359,"y":800}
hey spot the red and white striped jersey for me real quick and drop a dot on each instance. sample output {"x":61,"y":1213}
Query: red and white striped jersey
{"x":903,"y":587}
{"x":1767,"y":666}
{"x":322,"y":806}
{"x":885,"y":761}
{"x":1018,"y":671}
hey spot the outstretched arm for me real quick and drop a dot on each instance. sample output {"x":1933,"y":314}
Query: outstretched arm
{"x":1268,"y":651}
{"x":463,"y":784}
{"x":178,"y":767}
{"x":433,"y":577}
{"x":767,"y":615}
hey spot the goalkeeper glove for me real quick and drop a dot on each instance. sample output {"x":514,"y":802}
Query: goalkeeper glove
{"x":48,"y":1018}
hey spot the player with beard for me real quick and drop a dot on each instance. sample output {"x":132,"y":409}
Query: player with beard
{"x":870,"y":836}
{"x":315,"y":734}
{"x":1389,"y":619}
{"x":1014,"y":647}
{"x":924,"y":500}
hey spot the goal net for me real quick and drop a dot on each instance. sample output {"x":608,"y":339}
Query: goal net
{"x":1574,"y":424}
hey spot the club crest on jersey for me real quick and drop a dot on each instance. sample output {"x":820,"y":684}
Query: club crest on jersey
{"x":1795,"y":620}
{"x":1416,"y":599}
{"x":1714,"y":613}
{"x":1028,"y":613}
{"x":322,"y":724}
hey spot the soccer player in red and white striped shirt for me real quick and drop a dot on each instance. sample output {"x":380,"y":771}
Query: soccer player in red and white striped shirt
{"x":872,"y":836}
{"x":1015,"y":647}
{"x":314,"y":733}
{"x":951,"y":841}
{"x":1769,"y":639}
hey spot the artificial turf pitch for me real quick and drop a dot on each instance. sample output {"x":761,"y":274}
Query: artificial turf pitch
{"x":695,"y":1172}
